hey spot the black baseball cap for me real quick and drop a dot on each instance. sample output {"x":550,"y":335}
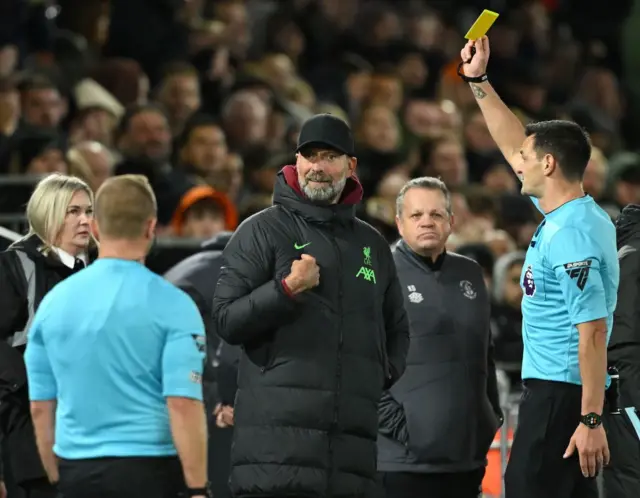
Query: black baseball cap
{"x":326,"y":131}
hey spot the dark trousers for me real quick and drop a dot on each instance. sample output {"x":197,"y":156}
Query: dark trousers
{"x":121,"y":478}
{"x":549,"y":415}
{"x":38,"y":488}
{"x":450,"y":485}
{"x":622,"y":476}
{"x":219,"y":460}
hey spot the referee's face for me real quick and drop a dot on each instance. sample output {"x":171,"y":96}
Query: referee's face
{"x":530,"y":170}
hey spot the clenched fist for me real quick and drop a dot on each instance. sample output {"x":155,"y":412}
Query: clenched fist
{"x":305,"y":274}
{"x":475,"y":64}
{"x":224,"y":415}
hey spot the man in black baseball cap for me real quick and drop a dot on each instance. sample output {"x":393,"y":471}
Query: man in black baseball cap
{"x":301,"y":289}
{"x":325,"y":158}
{"x":327,"y":132}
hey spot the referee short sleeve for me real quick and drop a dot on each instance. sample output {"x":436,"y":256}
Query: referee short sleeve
{"x":184,"y":351}
{"x":576,"y":260}
{"x":41,"y":380}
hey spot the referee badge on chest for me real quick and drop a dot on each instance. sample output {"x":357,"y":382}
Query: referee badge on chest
{"x":528,"y":283}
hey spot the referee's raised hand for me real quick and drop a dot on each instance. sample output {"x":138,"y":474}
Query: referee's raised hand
{"x":593,"y":449}
{"x":475,"y":64}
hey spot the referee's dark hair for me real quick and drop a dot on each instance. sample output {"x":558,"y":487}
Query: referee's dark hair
{"x":566,"y":142}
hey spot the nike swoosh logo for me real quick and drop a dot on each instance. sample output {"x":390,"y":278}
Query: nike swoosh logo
{"x":301,"y":246}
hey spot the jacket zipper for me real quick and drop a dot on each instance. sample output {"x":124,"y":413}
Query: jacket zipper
{"x":336,"y":398}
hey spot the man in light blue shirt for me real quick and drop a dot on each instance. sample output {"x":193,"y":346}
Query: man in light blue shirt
{"x":117,"y":353}
{"x":570,"y":280}
{"x":570,"y":276}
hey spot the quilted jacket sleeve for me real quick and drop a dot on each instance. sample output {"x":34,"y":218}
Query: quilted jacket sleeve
{"x":249,"y":300}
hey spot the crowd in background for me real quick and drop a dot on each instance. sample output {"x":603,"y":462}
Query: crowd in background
{"x":206,"y":97}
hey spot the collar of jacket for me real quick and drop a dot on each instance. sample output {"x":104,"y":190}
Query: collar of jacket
{"x":33,"y":246}
{"x":287,"y":192}
{"x":426,"y":263}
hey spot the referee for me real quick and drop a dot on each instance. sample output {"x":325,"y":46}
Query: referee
{"x":114,"y":362}
{"x":570,"y":280}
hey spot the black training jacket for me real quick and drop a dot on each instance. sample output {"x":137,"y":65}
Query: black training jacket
{"x":16,"y":429}
{"x":313,"y":366}
{"x":624,"y":344}
{"x":442,"y":415}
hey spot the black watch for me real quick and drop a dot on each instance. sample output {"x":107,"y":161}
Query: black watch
{"x":591,"y":420}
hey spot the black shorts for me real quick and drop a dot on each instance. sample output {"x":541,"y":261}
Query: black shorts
{"x":549,"y":415}
{"x":153,"y":477}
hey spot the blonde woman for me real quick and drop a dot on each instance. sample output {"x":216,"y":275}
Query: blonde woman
{"x":57,"y":245}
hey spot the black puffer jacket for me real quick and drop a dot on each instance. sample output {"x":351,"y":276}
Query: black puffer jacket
{"x":624,"y":344}
{"x":314,"y":366}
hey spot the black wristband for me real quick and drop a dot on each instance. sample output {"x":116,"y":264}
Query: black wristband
{"x":471,"y":79}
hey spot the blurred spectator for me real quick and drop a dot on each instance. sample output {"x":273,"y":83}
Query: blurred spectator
{"x":124,"y":79}
{"x":179,"y":93}
{"x":245,"y":118}
{"x":595,"y":176}
{"x":91,"y":162}
{"x":444,"y":158}
{"x":204,"y":213}
{"x":97,"y":116}
{"x":43,"y":105}
{"x":386,"y":88}
{"x":144,"y":139}
{"x":202,"y":148}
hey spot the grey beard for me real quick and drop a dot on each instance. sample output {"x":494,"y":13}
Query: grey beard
{"x":326,"y":194}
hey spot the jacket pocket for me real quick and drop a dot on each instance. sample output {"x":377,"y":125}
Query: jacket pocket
{"x":262,"y":356}
{"x":269,"y":359}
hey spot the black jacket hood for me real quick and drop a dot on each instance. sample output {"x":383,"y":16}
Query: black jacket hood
{"x":287,"y":192}
{"x":628,"y":224}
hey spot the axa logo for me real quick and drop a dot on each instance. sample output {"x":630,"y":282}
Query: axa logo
{"x":368,"y":274}
{"x":365,"y":271}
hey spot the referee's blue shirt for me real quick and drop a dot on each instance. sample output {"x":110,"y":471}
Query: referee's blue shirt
{"x":570,"y":276}
{"x":109,"y":343}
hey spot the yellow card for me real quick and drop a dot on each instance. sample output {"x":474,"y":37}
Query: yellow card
{"x":482,"y":25}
